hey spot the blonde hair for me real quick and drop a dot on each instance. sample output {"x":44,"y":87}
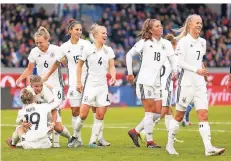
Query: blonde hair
{"x":94,"y":29}
{"x":35,"y":79}
{"x":27,"y":96}
{"x":185,"y":28}
{"x":146,"y":29}
{"x":42,"y":31}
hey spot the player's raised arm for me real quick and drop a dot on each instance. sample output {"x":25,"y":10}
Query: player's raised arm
{"x":26,"y":72}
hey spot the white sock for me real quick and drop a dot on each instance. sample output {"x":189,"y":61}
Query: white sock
{"x":102,"y":128}
{"x":73,"y":121}
{"x":78,"y":126}
{"x":173,"y":129}
{"x":148,"y":125}
{"x":15,"y":138}
{"x":140,"y":126}
{"x":204,"y":130}
{"x":65,"y":133}
{"x":167,"y":120}
{"x":56,"y":137}
{"x":95,"y":130}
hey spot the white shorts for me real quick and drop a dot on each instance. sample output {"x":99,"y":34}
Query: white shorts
{"x":43,"y":143}
{"x":187,"y":94}
{"x":148,"y":92}
{"x":96,"y":96}
{"x":167,"y":98}
{"x":58,"y":94}
{"x":74,"y":97}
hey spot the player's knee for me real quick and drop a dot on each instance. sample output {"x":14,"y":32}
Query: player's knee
{"x":99,"y":116}
{"x":75,"y":112}
{"x":202,"y":115}
{"x":179,"y":116}
{"x":58,"y":128}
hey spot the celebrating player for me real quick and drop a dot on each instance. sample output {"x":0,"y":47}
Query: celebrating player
{"x":191,"y":85}
{"x":33,"y":132}
{"x":99,"y":60}
{"x":154,"y":50}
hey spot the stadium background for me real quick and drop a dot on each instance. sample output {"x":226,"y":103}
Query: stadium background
{"x":123,"y":22}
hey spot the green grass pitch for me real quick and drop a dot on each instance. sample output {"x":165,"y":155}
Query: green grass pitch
{"x":117,"y":123}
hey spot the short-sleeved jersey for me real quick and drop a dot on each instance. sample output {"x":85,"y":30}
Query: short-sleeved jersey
{"x":191,"y":51}
{"x":44,"y":61}
{"x":46,"y":95}
{"x":166,"y":77}
{"x":97,"y":63}
{"x":72,"y":53}
{"x":154,"y":54}
{"x":37,"y":115}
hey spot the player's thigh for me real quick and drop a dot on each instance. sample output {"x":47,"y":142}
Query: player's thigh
{"x":185,"y":96}
{"x":102,"y":97}
{"x":201,"y":98}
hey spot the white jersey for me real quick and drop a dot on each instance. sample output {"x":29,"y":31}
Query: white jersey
{"x":37,"y":115}
{"x":46,"y":96}
{"x":44,"y":61}
{"x":190,"y":53}
{"x":154,"y":54}
{"x":97,"y":62}
{"x":72,"y":53}
{"x":166,"y":77}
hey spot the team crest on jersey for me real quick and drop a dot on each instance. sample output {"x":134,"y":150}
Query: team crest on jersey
{"x":163,"y":47}
{"x":202,"y":44}
{"x":184,"y":99}
{"x":68,"y":51}
{"x":52,"y":55}
{"x":81,"y":48}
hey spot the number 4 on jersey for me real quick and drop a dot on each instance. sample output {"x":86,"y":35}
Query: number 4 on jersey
{"x":100,"y":61}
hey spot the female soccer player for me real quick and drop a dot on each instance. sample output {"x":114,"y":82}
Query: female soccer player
{"x":99,"y":60}
{"x":154,"y":51}
{"x":71,"y":50}
{"x":43,"y":56}
{"x":191,"y":85}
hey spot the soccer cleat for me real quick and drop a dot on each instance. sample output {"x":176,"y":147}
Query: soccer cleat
{"x":171,"y":150}
{"x":56,"y":145}
{"x":134,"y":137}
{"x":9,"y":142}
{"x":93,"y":145}
{"x":152,"y":145}
{"x":72,"y":142}
{"x":215,"y":151}
{"x":78,"y":143}
{"x":102,"y":142}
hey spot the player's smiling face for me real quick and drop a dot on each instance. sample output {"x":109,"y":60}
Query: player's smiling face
{"x":101,"y":35}
{"x":41,"y":43}
{"x":37,"y":87}
{"x":196,"y":24}
{"x":76,"y":31}
{"x":157,"y":28}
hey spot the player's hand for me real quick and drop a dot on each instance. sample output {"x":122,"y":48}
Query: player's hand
{"x":202,"y":72}
{"x":174,"y":76}
{"x":130,"y":79}
{"x":79,"y":87}
{"x":18,"y":81}
{"x":229,"y":85}
{"x":112,"y":81}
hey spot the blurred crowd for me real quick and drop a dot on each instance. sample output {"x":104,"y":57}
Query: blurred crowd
{"x":123,"y":22}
